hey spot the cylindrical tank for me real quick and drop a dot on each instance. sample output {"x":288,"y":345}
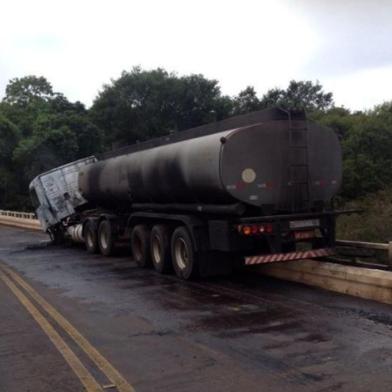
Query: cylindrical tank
{"x":257,"y":165}
{"x":75,"y":232}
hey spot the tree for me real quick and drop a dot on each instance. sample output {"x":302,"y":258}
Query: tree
{"x":41,"y":129}
{"x":57,"y":138}
{"x":246,"y":101}
{"x":340,"y":119}
{"x":143,"y":104}
{"x":299,"y":94}
{"x":26,"y":98}
{"x":367,"y":153}
{"x":60,"y":129}
{"x":49,"y":130}
{"x":23,"y":91}
{"x":9,"y":138}
{"x":9,"y":186}
{"x":197,"y":101}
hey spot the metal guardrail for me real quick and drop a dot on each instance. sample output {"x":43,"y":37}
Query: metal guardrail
{"x":369,"y":245}
{"x":18,"y":214}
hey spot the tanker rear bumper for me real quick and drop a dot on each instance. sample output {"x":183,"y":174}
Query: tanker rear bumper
{"x":290,"y":256}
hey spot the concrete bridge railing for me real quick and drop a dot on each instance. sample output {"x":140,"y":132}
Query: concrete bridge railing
{"x":26,"y":220}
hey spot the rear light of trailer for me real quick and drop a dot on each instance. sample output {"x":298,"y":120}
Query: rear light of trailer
{"x":254,"y":229}
{"x":246,"y":230}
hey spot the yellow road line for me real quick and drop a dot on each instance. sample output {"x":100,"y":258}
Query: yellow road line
{"x":83,"y":374}
{"x":111,"y":373}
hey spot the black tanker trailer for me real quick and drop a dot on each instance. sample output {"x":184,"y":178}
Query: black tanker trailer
{"x":251,"y":189}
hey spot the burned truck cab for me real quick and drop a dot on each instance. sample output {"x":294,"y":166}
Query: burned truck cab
{"x":55,"y":194}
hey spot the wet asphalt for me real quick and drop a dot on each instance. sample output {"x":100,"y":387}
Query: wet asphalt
{"x":239,"y":333}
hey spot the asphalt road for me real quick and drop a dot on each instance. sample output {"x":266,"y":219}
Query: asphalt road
{"x":147,"y":332}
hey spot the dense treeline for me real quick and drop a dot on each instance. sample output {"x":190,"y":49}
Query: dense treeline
{"x":41,"y":128}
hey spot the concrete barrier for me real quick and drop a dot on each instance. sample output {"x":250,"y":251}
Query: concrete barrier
{"x":357,"y":281}
{"x":25,"y":220}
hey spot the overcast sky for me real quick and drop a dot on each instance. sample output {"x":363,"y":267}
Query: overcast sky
{"x":80,"y":45}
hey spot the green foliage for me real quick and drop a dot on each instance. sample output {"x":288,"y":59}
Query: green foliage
{"x":246,"y":101}
{"x":39,"y":130}
{"x":25,"y":99}
{"x":24,"y":91}
{"x":57,"y":139}
{"x":12,"y":196}
{"x":144,"y":104}
{"x":337,"y":118}
{"x":299,"y":95}
{"x":374,"y":224}
{"x":9,"y":138}
{"x":367,"y":151}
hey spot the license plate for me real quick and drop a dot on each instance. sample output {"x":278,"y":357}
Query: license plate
{"x":303,"y":235}
{"x":303,"y":224}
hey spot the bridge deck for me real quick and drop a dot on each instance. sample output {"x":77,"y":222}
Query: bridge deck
{"x":245,"y":332}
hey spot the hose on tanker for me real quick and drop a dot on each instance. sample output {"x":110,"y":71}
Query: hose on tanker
{"x":229,"y":209}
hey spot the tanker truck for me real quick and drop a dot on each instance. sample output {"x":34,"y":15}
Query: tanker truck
{"x":251,"y":189}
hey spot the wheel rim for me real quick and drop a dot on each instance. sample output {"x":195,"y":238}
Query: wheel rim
{"x":156,"y":249}
{"x":181,"y":253}
{"x":137,"y":248}
{"x":104,"y":239}
{"x":90,"y":241}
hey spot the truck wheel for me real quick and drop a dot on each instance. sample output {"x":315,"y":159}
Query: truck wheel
{"x":160,"y":248}
{"x":90,"y":238}
{"x":56,"y":235}
{"x":185,"y":259}
{"x":140,"y":243}
{"x":106,"y":238}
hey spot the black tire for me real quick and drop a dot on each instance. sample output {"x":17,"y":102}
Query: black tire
{"x":140,"y":244}
{"x":57,"y":235}
{"x":185,"y":259}
{"x":160,"y":249}
{"x":106,"y":239}
{"x":90,"y":238}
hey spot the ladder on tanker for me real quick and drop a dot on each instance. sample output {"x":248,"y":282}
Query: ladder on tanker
{"x":298,"y":165}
